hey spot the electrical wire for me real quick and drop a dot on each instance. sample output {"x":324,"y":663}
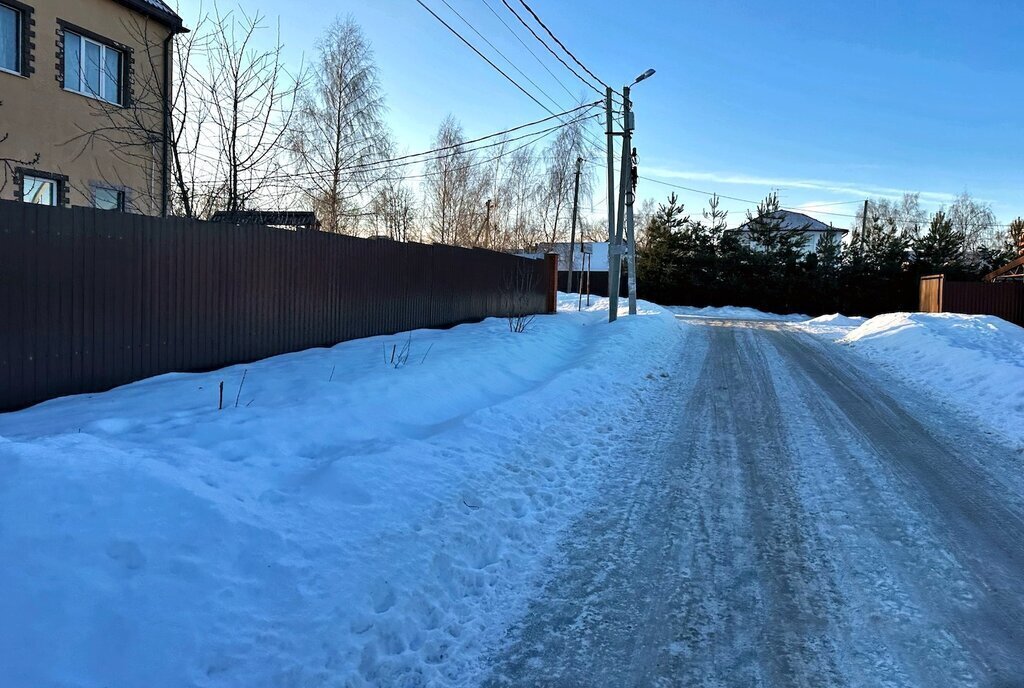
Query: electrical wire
{"x":560,"y":44}
{"x":550,"y":50}
{"x":482,"y":56}
{"x":495,"y":49}
{"x":538,"y":134}
{"x":528,"y":48}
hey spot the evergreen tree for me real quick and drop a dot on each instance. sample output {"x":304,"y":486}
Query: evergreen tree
{"x":658,"y":261}
{"x":885,"y":247}
{"x":941,"y":248}
{"x":778,"y":244}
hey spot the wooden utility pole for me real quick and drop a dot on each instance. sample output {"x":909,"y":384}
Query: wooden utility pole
{"x":575,"y":210}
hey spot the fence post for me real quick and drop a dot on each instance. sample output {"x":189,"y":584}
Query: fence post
{"x":551,"y":263}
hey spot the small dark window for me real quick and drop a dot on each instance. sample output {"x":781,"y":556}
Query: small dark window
{"x":11,"y":28}
{"x":106,"y":198}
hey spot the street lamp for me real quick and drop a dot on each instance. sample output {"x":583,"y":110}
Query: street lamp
{"x":646,"y":75}
{"x":628,"y":182}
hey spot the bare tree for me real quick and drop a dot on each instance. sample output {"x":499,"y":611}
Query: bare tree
{"x":454,"y":188}
{"x":251,"y":100}
{"x":393,"y":210}
{"x":190,"y":118}
{"x":905,"y":215}
{"x":517,"y":211}
{"x":559,"y":177}
{"x":339,"y":129}
{"x":974,"y":219}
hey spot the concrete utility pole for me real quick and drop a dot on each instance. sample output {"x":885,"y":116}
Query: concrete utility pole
{"x":575,"y":210}
{"x":613,"y":287}
{"x":625,"y":201}
{"x":626,"y":196}
{"x":630,"y":233}
{"x":863,"y":226}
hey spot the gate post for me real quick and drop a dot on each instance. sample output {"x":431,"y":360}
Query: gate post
{"x":551,"y":267}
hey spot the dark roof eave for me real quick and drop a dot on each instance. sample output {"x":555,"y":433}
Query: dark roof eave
{"x":168,"y":19}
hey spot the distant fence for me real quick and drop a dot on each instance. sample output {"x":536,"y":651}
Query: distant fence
{"x":93,"y":299}
{"x":1002,"y":299}
{"x":596,"y":281}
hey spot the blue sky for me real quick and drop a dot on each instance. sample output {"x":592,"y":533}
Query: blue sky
{"x":825,"y":101}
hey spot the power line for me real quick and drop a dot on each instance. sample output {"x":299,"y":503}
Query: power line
{"x":404,"y":160}
{"x":495,"y":49}
{"x":484,"y":138}
{"x":539,"y":135}
{"x":549,"y":49}
{"x":560,"y":44}
{"x":500,"y":71}
{"x":482,"y":56}
{"x":528,"y":49}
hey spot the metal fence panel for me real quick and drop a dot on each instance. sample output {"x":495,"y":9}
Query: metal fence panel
{"x":91,"y":299}
{"x":1002,"y":299}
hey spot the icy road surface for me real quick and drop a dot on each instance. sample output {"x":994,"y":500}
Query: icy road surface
{"x":797,"y":519}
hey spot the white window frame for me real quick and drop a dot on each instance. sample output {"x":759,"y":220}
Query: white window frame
{"x":83,"y":89}
{"x":19,"y":23}
{"x":54,"y":186}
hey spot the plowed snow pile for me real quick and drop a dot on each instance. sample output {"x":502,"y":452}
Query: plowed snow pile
{"x":975,"y":362}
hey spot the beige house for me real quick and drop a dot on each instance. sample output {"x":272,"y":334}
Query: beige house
{"x":84,"y":102}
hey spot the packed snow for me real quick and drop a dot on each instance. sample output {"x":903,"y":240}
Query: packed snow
{"x":342,"y":521}
{"x":974,"y":363}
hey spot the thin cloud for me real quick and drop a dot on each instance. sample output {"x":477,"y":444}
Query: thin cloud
{"x":840,"y":188}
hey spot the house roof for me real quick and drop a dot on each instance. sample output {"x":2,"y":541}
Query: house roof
{"x":157,"y":9}
{"x":793,"y":220}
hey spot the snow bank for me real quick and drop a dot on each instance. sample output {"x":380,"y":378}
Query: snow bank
{"x":347,"y":523}
{"x":833,"y":326}
{"x":836,"y":320}
{"x":975,"y":362}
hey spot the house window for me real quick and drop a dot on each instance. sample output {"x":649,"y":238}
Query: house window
{"x":10,"y":39}
{"x":92,"y":68}
{"x":39,"y":190}
{"x":107,"y":198}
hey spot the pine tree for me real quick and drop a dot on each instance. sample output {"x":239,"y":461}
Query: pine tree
{"x":941,"y":248}
{"x":885,"y":247}
{"x":658,"y":262}
{"x":779,"y":245}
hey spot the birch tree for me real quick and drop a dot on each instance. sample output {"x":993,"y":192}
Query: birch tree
{"x":339,"y":130}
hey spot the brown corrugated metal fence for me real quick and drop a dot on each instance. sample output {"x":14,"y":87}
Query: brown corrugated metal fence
{"x":1002,"y":299}
{"x":91,"y":299}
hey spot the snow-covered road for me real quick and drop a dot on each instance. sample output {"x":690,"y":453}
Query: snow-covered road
{"x":795,"y":518}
